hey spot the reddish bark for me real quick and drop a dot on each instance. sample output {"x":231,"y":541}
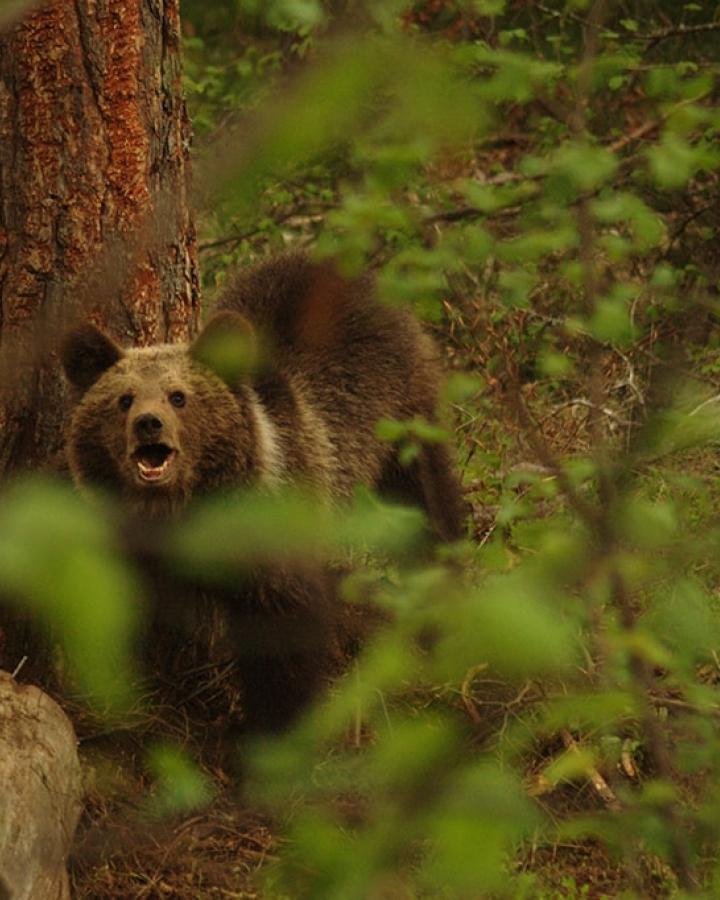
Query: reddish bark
{"x":93,"y":213}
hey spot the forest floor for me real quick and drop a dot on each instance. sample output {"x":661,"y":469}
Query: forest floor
{"x":228,"y":849}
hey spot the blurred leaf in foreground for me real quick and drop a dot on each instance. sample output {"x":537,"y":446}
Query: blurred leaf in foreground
{"x":514,"y":623}
{"x":226,"y":535}
{"x":181,"y":786}
{"x":57,"y":560}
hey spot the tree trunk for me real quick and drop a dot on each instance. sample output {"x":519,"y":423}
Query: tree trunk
{"x":94,"y":221}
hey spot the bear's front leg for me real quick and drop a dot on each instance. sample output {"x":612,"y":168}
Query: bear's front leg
{"x":286,"y":632}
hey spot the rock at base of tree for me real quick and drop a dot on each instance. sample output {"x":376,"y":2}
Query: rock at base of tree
{"x":40,"y":793}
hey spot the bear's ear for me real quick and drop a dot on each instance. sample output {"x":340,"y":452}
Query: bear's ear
{"x":86,"y":353}
{"x":227,"y":346}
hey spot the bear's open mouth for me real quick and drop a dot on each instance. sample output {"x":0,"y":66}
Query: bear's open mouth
{"x":153,"y":461}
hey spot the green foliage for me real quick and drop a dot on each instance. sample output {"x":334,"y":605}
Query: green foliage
{"x":544,"y":197}
{"x":544,"y":190}
{"x":228,"y":534}
{"x":179,"y":785}
{"x":58,"y":559}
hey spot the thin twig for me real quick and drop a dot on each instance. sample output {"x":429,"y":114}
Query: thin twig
{"x":654,"y":37}
{"x":581,"y":401}
{"x":602,"y":788}
{"x":18,"y":667}
{"x":647,"y":128}
{"x":705,"y":403}
{"x":468,"y":701}
{"x":235,"y":239}
{"x":561,"y":15}
{"x":586,"y":511}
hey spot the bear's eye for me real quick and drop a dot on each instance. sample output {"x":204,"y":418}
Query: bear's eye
{"x":177,"y":398}
{"x":125,"y":402}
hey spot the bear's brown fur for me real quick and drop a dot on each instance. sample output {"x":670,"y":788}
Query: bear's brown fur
{"x":157,"y":426}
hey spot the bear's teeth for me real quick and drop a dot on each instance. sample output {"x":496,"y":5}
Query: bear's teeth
{"x":151,"y":472}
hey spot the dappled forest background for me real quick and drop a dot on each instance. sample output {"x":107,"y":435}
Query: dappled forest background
{"x":539,"y":716}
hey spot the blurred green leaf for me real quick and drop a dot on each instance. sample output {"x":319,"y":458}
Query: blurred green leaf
{"x":58,"y":559}
{"x":512,"y":623}
{"x":684,"y":618}
{"x":484,"y":816}
{"x":570,"y":765}
{"x":225,"y":536}
{"x":180,"y":785}
{"x":611,"y":320}
{"x":675,"y":160}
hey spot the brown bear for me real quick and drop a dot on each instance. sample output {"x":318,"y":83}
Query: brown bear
{"x":158,"y":426}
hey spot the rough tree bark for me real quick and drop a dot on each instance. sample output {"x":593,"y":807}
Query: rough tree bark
{"x":93,"y":214}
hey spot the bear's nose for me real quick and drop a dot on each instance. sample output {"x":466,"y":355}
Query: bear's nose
{"x":147,"y":427}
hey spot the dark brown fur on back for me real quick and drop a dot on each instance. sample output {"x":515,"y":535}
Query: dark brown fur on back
{"x":341,"y":362}
{"x":157,"y":427}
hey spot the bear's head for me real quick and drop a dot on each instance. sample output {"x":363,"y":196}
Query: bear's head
{"x":159,"y":424}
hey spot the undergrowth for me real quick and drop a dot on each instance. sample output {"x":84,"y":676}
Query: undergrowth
{"x":539,"y":717}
